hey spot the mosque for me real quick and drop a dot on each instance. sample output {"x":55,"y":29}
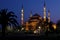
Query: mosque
{"x":35,"y":21}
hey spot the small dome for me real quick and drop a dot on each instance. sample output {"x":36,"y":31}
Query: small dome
{"x":36,"y":14}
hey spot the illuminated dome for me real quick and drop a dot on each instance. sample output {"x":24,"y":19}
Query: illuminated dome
{"x":35,"y":16}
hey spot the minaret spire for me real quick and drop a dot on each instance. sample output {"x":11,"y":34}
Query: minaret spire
{"x":22,"y":16}
{"x":44,"y":11}
{"x":44,"y":4}
{"x":48,"y":16}
{"x":31,"y":14}
{"x":22,"y":6}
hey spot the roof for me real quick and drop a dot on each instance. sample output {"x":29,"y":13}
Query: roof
{"x":36,"y":14}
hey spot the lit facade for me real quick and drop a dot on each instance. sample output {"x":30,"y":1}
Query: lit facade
{"x":33,"y":21}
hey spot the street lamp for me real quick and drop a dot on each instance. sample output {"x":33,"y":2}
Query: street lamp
{"x":22,"y":29}
{"x":39,"y":27}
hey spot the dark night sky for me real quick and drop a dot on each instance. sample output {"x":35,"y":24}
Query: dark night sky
{"x":36,"y":6}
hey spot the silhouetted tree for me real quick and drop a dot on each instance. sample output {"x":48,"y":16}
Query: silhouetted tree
{"x":50,"y":26}
{"x":58,"y":25}
{"x":7,"y":18}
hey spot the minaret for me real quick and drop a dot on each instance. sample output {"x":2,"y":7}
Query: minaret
{"x":48,"y":16}
{"x":22,"y":16}
{"x":48,"y":19}
{"x":31,"y":14}
{"x":44,"y":11}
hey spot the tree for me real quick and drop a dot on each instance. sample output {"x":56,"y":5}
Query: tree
{"x":7,"y":18}
{"x":50,"y":26}
{"x":58,"y":25}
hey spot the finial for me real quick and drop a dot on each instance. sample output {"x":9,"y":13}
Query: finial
{"x":22,"y":5}
{"x":44,"y":3}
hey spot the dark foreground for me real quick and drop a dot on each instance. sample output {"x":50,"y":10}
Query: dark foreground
{"x":31,"y":38}
{"x":21,"y":36}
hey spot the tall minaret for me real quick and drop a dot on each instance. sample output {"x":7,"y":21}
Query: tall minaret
{"x":44,"y":11}
{"x":31,"y":14}
{"x":22,"y":16}
{"x":48,"y":16}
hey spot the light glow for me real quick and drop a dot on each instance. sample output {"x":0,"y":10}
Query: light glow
{"x":54,"y":26}
{"x":22,"y":10}
{"x":22,"y":29}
